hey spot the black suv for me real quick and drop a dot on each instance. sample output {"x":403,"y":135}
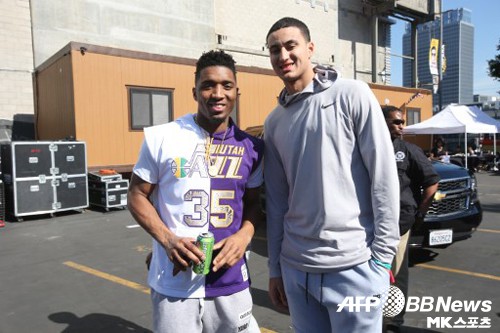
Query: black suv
{"x":455,"y":211}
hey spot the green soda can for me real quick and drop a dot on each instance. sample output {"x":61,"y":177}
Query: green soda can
{"x":205,"y":243}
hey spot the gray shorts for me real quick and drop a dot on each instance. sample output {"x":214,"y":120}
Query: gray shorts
{"x":221,"y":314}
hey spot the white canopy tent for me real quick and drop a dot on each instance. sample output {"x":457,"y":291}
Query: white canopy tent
{"x":457,"y":119}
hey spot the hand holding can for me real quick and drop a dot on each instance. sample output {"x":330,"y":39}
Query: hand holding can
{"x":205,"y":243}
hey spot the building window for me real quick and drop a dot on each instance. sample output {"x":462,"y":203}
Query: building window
{"x":149,"y":107}
{"x":412,"y":116}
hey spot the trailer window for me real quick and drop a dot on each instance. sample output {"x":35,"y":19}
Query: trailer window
{"x":412,"y":116}
{"x":149,"y":107}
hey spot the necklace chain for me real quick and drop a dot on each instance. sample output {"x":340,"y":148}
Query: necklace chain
{"x":209,"y":139}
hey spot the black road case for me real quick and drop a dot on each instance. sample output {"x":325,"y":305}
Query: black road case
{"x":108,"y":194}
{"x":44,"y":176}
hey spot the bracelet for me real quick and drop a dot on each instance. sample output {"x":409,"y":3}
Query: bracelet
{"x":383,"y":264}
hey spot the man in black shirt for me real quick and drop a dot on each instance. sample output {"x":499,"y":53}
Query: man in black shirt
{"x":418,"y":182}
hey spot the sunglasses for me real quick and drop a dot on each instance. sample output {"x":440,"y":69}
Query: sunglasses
{"x":398,"y":122}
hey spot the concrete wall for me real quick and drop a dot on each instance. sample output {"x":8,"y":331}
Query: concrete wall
{"x":176,"y":28}
{"x":16,"y":59}
{"x":354,"y":43}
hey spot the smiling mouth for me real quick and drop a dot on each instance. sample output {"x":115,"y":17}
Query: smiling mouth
{"x":286,"y":67}
{"x":217,"y":106}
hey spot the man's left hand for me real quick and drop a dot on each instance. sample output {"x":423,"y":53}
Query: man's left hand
{"x":232,"y":250}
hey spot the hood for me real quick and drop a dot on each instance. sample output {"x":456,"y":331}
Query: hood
{"x":323,"y":79}
{"x":449,"y":170}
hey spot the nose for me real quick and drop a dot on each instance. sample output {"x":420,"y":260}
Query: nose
{"x":217,"y":91}
{"x":283,"y":54}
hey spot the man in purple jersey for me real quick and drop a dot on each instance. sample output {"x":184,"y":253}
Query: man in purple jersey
{"x":200,"y":173}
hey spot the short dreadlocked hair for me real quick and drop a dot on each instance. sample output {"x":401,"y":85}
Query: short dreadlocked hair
{"x":214,"y":58}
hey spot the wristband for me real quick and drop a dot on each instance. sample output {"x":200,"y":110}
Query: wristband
{"x":383,"y":264}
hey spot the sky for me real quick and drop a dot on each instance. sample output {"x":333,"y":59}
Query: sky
{"x":486,"y":21}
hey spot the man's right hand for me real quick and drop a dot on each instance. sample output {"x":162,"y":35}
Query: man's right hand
{"x":182,"y":251}
{"x":277,"y":294}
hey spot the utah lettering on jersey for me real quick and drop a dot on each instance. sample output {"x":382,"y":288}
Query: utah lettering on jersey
{"x":225,"y":162}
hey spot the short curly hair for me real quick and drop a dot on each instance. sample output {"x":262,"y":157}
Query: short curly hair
{"x":214,"y":58}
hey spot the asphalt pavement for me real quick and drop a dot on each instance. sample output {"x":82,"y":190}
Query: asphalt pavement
{"x":85,"y":272}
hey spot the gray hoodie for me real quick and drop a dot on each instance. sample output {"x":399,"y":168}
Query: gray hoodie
{"x":332,"y":191}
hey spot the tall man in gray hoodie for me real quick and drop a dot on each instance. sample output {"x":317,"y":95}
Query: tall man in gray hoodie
{"x":332,"y":192}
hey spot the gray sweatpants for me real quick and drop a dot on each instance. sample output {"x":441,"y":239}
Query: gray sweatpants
{"x":314,"y":298}
{"x":222,"y":314}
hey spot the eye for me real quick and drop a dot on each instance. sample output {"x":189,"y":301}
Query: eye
{"x":274,"y":50}
{"x":206,"y":85}
{"x":290,"y":46}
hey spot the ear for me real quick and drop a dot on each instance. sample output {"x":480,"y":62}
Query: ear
{"x":310,"y":49}
{"x":195,"y":97}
